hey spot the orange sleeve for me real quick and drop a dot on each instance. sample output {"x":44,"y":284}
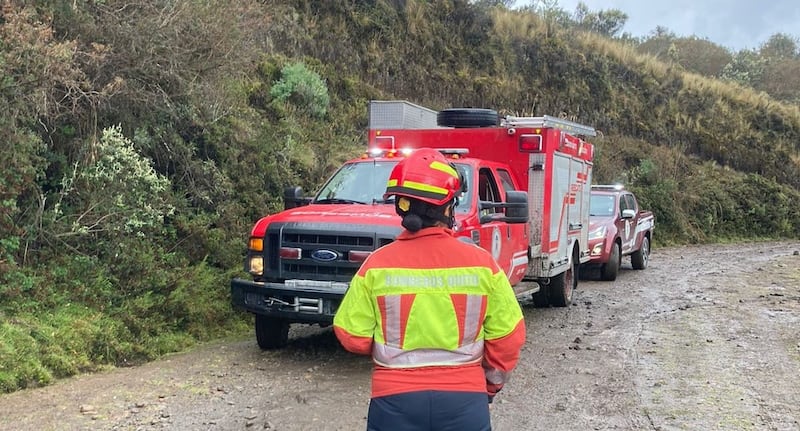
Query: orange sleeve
{"x":503,"y":353}
{"x":500,"y":357}
{"x":353,"y":343}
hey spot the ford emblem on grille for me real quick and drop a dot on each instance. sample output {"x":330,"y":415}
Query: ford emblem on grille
{"x":323,"y":255}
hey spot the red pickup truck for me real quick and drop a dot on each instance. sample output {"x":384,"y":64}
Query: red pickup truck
{"x":618,"y":228}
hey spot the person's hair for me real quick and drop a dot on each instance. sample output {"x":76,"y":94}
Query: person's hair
{"x":417,"y":215}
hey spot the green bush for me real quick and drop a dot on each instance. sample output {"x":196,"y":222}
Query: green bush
{"x":21,"y":356}
{"x":302,"y":88}
{"x":115,"y":191}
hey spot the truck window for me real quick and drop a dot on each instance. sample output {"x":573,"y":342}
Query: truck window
{"x":601,"y":206}
{"x":623,"y":204}
{"x":505,"y":180}
{"x":630,"y":202}
{"x":626,"y":202}
{"x":487,"y":188}
{"x":465,"y":200}
{"x":363,"y":182}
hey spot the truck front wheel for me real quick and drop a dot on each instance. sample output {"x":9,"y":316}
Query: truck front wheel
{"x":609,"y":270}
{"x":640,"y":257}
{"x":271,"y":333}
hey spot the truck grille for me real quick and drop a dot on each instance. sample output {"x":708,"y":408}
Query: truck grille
{"x":325,"y":249}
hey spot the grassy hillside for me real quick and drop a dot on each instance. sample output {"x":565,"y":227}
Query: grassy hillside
{"x":140,"y":142}
{"x":687,"y":143}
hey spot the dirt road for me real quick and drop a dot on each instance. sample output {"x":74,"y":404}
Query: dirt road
{"x":706,"y":338}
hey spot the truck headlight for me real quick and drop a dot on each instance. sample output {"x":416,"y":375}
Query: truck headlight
{"x":597,"y":233}
{"x":256,"y":265}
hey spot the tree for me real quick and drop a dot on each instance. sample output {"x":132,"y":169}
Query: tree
{"x":746,"y":68}
{"x":658,"y":42}
{"x":781,"y":80}
{"x":550,"y":12}
{"x":493,"y":3}
{"x":701,"y":56}
{"x":780,"y":46}
{"x":40,"y":85}
{"x":606,"y":22}
{"x":114,"y":192}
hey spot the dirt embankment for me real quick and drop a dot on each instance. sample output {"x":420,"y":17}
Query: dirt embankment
{"x":706,"y":338}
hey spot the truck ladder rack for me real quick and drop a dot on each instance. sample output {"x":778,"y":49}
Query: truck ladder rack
{"x":548,"y":121}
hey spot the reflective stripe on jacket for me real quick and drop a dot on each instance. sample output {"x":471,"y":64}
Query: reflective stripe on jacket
{"x":435,"y":313}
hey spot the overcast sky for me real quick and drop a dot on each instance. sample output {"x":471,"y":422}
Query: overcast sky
{"x":734,"y":24}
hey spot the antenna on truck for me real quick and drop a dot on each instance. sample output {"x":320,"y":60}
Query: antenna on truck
{"x":548,"y":121}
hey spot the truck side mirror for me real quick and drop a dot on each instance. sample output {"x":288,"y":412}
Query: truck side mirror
{"x":293,"y":197}
{"x":516,"y":208}
{"x":628,"y":214}
{"x":517,"y":211}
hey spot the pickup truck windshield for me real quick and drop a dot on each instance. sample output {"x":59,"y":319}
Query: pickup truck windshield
{"x":602,"y":206}
{"x":365,"y":182}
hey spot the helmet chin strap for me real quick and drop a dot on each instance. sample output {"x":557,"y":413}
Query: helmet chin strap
{"x":438,"y":214}
{"x":444,"y":214}
{"x":452,"y":216}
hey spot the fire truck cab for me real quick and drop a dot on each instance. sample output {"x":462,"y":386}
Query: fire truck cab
{"x":527,"y":203}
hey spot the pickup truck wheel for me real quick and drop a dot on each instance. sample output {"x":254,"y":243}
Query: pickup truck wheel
{"x":562,"y":286}
{"x":271,"y":333}
{"x":467,"y":117}
{"x":610,"y":269}
{"x":541,"y":299}
{"x":640,"y":257}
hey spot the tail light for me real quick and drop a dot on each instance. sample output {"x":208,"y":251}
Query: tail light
{"x":530,"y":143}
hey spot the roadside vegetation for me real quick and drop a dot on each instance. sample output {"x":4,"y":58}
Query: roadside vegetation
{"x":140,"y":142}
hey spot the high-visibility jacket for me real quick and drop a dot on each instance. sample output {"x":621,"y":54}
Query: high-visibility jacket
{"x":435,"y":313}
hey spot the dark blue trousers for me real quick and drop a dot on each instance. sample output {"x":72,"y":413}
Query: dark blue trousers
{"x":430,"y":411}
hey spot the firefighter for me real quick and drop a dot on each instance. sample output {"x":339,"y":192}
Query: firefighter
{"x":438,"y":315}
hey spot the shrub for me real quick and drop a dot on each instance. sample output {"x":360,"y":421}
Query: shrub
{"x":302,"y":88}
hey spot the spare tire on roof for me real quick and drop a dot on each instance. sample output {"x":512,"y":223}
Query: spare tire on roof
{"x":467,"y":117}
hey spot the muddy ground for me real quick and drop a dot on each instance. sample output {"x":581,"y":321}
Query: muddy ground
{"x":706,"y":338}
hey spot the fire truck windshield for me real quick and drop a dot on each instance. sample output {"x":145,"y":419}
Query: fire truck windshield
{"x":364,"y":182}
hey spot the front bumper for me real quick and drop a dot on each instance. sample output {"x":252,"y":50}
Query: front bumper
{"x":297,"y":301}
{"x":598,"y":252}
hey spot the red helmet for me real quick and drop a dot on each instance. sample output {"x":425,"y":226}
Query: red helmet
{"x":425,"y":175}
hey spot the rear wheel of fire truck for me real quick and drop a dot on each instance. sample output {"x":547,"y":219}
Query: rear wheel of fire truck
{"x":640,"y":257}
{"x":609,"y":270}
{"x":562,"y":286}
{"x":541,"y":299}
{"x":467,"y":117}
{"x":271,"y":333}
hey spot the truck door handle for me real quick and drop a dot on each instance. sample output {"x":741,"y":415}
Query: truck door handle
{"x":576,"y":226}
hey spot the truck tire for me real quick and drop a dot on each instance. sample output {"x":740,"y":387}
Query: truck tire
{"x":467,"y":117}
{"x":271,"y":333}
{"x":541,"y":299}
{"x":640,"y":257}
{"x":610,"y":269}
{"x":562,"y":286}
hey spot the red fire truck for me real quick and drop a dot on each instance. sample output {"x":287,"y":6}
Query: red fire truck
{"x":527,"y":202}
